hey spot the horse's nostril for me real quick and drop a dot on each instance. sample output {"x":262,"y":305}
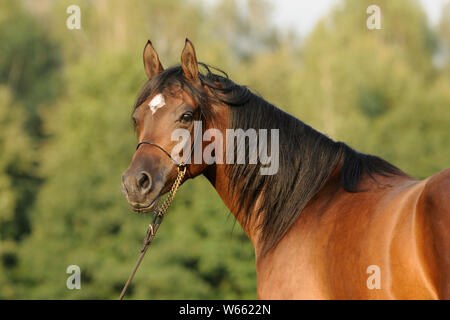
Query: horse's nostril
{"x":144,"y":181}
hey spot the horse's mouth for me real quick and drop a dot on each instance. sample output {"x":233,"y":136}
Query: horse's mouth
{"x":144,"y":209}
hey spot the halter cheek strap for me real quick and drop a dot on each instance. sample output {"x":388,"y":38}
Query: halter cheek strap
{"x":162,"y":149}
{"x":179,"y":165}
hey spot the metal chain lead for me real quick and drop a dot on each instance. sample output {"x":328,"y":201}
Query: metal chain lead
{"x":156,"y":222}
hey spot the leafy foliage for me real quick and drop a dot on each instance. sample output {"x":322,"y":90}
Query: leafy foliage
{"x":65,"y":134}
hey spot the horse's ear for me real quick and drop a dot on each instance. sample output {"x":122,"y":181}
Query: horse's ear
{"x":189,"y":61}
{"x":151,"y":61}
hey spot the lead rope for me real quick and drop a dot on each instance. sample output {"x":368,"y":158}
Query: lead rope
{"x":156,"y":222}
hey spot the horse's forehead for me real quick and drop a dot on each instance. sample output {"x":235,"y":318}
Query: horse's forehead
{"x":156,"y":102}
{"x":167,"y":100}
{"x":172,"y":96}
{"x":181,"y":96}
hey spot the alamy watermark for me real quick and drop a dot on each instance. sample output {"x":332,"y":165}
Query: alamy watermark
{"x":74,"y":20}
{"x":74,"y":280}
{"x":374,"y":280}
{"x":374,"y":20}
{"x":234,"y":143}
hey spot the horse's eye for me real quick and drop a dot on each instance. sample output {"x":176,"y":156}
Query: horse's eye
{"x":187,"y":117}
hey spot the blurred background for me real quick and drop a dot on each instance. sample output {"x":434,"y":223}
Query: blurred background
{"x":66,"y":98}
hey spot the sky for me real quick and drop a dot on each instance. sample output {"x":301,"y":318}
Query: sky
{"x":302,"y":15}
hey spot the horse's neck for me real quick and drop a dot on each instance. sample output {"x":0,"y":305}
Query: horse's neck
{"x":219,"y":179}
{"x":217,"y":176}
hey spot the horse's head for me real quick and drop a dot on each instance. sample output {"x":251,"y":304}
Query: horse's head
{"x":169,"y":103}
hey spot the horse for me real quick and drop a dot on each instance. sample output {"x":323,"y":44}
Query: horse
{"x":330,"y":223}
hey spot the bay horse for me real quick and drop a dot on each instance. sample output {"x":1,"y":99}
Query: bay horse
{"x":332,"y":223}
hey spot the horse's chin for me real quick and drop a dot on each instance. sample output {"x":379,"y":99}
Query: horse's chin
{"x":145,"y":209}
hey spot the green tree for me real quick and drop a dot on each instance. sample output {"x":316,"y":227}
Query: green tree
{"x":29,"y":61}
{"x":370,"y":88}
{"x":28,"y":80}
{"x":15,"y":161}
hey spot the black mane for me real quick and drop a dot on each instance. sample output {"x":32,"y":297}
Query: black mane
{"x":307,"y":157}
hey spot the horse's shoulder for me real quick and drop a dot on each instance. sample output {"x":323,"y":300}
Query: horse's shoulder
{"x":434,"y":215}
{"x":433,"y":210}
{"x":436,"y":193}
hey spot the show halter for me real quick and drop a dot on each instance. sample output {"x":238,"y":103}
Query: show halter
{"x":159,"y":213}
